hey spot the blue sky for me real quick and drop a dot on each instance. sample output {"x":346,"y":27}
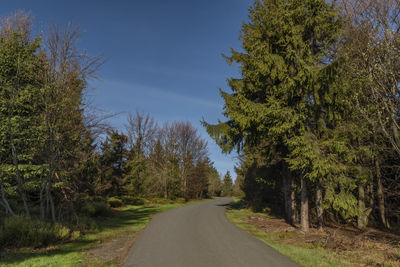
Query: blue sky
{"x":163,"y":57}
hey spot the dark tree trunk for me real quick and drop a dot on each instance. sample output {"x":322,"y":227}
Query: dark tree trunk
{"x":288,"y":191}
{"x":293,"y":216}
{"x":371,"y":196}
{"x":320,"y":209}
{"x":41,"y":199}
{"x":304,"y":219}
{"x":362,"y":219}
{"x":380,"y":195}
{"x":4,"y":201}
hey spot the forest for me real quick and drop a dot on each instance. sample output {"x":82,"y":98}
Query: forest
{"x":61,"y":163}
{"x":314,"y":114}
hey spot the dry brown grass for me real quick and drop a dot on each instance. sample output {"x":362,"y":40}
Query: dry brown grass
{"x":371,"y":247}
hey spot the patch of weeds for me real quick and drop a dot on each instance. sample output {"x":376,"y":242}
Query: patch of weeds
{"x":286,"y":235}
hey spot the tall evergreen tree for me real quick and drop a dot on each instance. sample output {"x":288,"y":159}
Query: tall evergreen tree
{"x":284,"y":63}
{"x":20,"y":104}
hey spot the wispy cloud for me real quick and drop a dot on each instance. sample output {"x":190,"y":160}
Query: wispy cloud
{"x":127,"y":90}
{"x":179,"y":73}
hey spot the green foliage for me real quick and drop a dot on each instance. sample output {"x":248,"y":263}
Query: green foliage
{"x":113,"y":162}
{"x":137,"y":177}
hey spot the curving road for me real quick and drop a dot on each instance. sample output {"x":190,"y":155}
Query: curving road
{"x":200,"y":235}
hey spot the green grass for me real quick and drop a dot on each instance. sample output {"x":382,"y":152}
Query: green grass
{"x":128,"y":220}
{"x":304,"y":254}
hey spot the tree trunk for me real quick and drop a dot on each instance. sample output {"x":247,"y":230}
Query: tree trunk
{"x":183,"y":182}
{"x":49,"y":201}
{"x":380,"y":195}
{"x":288,"y":192}
{"x":42,"y":211}
{"x":53,"y":210}
{"x":293,"y":218}
{"x":165,"y":184}
{"x":4,"y":201}
{"x":371,"y":196}
{"x":304,"y":220}
{"x":16,"y":165}
{"x":362,"y":219}
{"x":320,"y":209}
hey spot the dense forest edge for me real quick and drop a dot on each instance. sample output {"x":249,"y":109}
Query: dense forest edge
{"x":314,"y":117}
{"x":63,"y":168}
{"x":314,"y":114}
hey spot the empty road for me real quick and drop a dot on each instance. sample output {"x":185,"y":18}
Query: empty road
{"x":200,"y":235}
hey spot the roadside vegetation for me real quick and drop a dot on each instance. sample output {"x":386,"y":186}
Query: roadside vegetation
{"x":337,"y":245}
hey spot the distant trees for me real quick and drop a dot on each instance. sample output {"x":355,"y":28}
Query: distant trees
{"x":214,"y":182}
{"x":227,"y":185}
{"x":314,"y":111}
{"x":167,"y":158}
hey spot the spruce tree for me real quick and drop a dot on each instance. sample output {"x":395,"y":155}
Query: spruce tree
{"x":283,"y":65}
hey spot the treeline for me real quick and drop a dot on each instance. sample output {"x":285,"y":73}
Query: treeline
{"x":149,"y":161}
{"x":59,"y":159}
{"x":315,"y":112}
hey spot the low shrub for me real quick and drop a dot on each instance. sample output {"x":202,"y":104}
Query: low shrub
{"x":96,"y":208}
{"x":22,"y":231}
{"x":160,"y":201}
{"x":114,"y":202}
{"x":84,"y":224}
{"x":133,"y":200}
{"x":75,"y":235}
{"x":237,"y":205}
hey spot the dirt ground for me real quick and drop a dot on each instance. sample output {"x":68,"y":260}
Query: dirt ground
{"x":373,"y":246}
{"x":113,"y":250}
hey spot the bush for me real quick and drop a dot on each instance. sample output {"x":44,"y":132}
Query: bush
{"x":133,"y":200}
{"x":21,"y":231}
{"x":96,"y":208}
{"x":160,"y":201}
{"x":84,"y":224}
{"x":114,"y":202}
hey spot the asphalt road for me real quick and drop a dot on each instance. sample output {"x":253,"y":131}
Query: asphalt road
{"x":200,"y":235}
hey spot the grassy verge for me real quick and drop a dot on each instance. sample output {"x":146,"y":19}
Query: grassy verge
{"x":125,"y":223}
{"x":296,"y":245}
